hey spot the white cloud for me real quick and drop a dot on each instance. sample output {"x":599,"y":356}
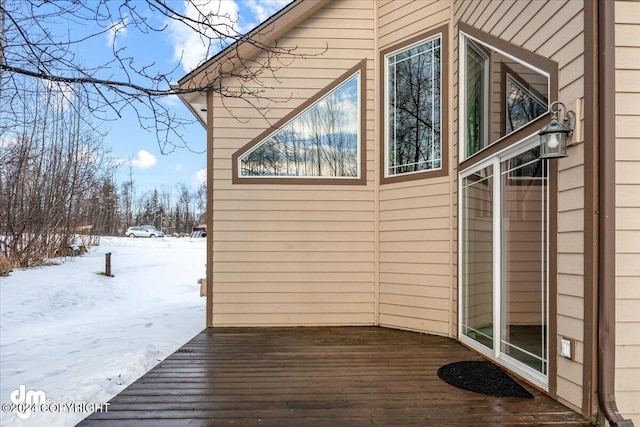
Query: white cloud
{"x":226,"y":16}
{"x":200,"y":177}
{"x":263,"y":9}
{"x":117,"y":29}
{"x":88,"y":155}
{"x":119,"y":161}
{"x":6,"y":141}
{"x":144,"y":160}
{"x":171,"y":101}
{"x":192,"y":47}
{"x":60,"y":94}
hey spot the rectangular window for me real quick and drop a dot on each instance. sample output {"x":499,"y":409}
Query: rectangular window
{"x":413,"y":108}
{"x":477,"y":97}
{"x":502,"y":95}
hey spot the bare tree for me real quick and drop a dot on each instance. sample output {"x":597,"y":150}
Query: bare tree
{"x":127,"y":198}
{"x":39,"y":42}
{"x":201,"y":204}
{"x":183,"y":207}
{"x":50,"y":169}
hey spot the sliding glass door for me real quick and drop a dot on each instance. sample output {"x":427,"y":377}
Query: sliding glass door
{"x":523,"y":190}
{"x":503,"y":260}
{"x":477,"y":253}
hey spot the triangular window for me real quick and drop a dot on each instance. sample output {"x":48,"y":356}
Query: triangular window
{"x":321,"y":141}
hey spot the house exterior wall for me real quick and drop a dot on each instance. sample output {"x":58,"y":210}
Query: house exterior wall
{"x":386,"y":252}
{"x":627,"y":99}
{"x":553,"y":30}
{"x":416,"y":222}
{"x":296,"y":254}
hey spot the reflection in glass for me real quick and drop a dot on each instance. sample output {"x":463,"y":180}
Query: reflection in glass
{"x":413,"y":118}
{"x":517,"y":92}
{"x":476,"y":67}
{"x":320,"y":142}
{"x":523,"y":105}
{"x":524,"y":237}
{"x":502,"y":95}
{"x":477,"y":253}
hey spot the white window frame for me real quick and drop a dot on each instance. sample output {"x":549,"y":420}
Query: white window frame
{"x":387,"y":113}
{"x":462,"y":99}
{"x":358,"y":76}
{"x":485,"y":100}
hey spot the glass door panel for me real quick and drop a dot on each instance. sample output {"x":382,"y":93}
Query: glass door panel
{"x":523,"y":295}
{"x":477,"y":253}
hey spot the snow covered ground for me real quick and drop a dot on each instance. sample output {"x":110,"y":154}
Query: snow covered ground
{"x":80,"y":336}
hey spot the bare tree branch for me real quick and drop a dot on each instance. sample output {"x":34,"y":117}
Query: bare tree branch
{"x":43,"y":40}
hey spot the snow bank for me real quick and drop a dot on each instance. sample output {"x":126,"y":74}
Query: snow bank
{"x":80,"y":336}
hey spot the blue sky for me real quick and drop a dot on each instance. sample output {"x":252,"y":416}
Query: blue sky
{"x":173,"y":46}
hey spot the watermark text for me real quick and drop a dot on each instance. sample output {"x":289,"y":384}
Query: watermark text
{"x":25,"y":402}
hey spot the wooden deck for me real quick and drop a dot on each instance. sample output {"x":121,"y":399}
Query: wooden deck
{"x":317,"y":377}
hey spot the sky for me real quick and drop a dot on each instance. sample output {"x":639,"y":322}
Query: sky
{"x":175,"y":46}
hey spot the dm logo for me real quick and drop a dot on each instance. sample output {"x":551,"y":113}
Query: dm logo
{"x":25,"y":400}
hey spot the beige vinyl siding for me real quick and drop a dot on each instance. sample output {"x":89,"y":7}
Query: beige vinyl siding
{"x":627,"y":32}
{"x":415,"y":272}
{"x":404,"y":19}
{"x":415,"y":216}
{"x":552,"y":30}
{"x":296,"y":254}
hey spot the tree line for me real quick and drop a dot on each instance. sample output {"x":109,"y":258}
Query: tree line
{"x":58,"y":187}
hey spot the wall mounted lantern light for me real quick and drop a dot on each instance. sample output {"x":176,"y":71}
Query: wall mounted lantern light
{"x":554,"y":136}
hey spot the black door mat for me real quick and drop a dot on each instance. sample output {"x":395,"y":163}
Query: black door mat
{"x":482,"y":377}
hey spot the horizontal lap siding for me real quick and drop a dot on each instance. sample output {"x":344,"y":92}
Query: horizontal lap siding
{"x":553,"y":30}
{"x":401,"y":19}
{"x":415,"y":216}
{"x":627,"y":16}
{"x":296,"y":254}
{"x":415,"y":271}
{"x":571,"y":281}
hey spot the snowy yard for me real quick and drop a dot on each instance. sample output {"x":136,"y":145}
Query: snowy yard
{"x":80,"y":336}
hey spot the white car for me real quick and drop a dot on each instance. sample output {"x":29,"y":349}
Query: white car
{"x":143,"y":231}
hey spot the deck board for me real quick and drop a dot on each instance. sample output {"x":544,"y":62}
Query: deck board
{"x":317,"y":377}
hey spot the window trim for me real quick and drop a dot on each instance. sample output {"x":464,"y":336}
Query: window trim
{"x":480,"y":49}
{"x":443,"y":170}
{"x":499,"y":148}
{"x":532,"y":60}
{"x":360,"y":179}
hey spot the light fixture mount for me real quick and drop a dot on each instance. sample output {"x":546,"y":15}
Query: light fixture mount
{"x":554,"y":136}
